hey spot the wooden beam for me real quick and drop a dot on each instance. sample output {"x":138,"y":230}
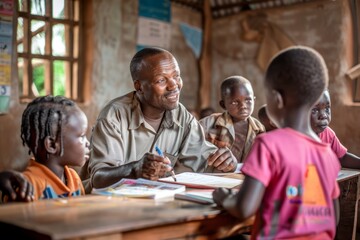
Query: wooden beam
{"x":205,"y":58}
{"x":353,"y":72}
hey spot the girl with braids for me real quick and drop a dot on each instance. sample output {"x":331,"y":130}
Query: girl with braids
{"x":54,"y":128}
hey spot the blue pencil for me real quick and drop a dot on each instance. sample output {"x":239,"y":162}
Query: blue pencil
{"x":158,"y":150}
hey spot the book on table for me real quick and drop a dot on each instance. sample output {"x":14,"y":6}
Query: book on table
{"x":202,"y":196}
{"x":205,"y":181}
{"x":140,"y":188}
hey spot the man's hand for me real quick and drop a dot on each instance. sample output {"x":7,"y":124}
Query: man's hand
{"x":154,"y":166}
{"x":223,"y":160}
{"x":15,"y":187}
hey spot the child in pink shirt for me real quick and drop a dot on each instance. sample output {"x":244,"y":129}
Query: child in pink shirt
{"x":290,"y":175}
{"x":320,"y":120}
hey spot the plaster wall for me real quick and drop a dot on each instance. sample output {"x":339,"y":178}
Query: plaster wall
{"x":325,"y":26}
{"x":114,"y":29}
{"x":111,"y":42}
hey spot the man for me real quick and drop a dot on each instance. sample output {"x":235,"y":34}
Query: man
{"x":130,"y":127}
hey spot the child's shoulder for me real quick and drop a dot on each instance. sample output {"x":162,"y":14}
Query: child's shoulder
{"x":329,"y":130}
{"x":282,"y":135}
{"x":256,"y":125}
{"x":289,"y":137}
{"x":212,"y":118}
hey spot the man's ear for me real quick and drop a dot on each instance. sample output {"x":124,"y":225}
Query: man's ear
{"x":137,"y":86}
{"x":50,"y":145}
{"x":222,"y":104}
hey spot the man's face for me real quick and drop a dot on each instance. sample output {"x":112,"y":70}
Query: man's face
{"x":160,"y":83}
{"x":321,"y":113}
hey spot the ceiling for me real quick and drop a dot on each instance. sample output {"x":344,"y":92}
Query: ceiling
{"x":224,"y":8}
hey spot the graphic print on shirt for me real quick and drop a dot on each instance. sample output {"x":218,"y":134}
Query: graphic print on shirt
{"x":310,"y":199}
{"x":311,"y":193}
{"x":50,"y":193}
{"x":314,"y":193}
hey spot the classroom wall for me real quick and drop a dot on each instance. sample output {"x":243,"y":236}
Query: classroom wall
{"x":110,"y":39}
{"x":324,"y":25}
{"x":111,"y":42}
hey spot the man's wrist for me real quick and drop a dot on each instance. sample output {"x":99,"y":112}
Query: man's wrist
{"x":136,"y":169}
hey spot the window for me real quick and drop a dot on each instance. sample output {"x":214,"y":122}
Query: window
{"x":48,"y":59}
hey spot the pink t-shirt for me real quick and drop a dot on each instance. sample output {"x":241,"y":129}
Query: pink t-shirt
{"x":329,"y":136}
{"x":299,"y":174}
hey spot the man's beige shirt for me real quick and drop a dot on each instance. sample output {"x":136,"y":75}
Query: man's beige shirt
{"x":121,"y":135}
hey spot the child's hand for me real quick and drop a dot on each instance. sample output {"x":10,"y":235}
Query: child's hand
{"x":220,"y":194}
{"x":15,"y":187}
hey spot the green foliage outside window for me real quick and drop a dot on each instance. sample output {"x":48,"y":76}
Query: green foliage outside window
{"x":59,"y":78}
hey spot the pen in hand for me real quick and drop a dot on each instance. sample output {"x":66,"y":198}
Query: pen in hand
{"x":158,"y":150}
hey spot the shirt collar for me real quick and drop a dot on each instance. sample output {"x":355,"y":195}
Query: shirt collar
{"x":137,"y":117}
{"x":224,"y":121}
{"x":256,"y":128}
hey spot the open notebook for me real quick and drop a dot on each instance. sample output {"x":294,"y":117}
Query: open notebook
{"x":140,"y":188}
{"x":199,"y":180}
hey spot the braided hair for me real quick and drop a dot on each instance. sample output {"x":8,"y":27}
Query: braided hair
{"x":39,"y":119}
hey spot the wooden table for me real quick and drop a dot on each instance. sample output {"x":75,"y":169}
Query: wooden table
{"x":102,"y":217}
{"x":94,"y":217}
{"x":349,"y":183}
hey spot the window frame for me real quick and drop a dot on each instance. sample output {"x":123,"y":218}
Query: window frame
{"x":73,"y":59}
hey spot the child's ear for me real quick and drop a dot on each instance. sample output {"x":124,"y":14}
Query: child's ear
{"x":279,"y":100}
{"x":50,"y":144}
{"x":222,"y":104}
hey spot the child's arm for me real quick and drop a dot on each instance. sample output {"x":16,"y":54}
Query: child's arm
{"x":15,"y":187}
{"x":350,"y":160}
{"x":243,"y":204}
{"x":337,"y":210}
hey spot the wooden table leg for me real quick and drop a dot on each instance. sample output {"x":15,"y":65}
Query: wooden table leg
{"x":349,"y":196}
